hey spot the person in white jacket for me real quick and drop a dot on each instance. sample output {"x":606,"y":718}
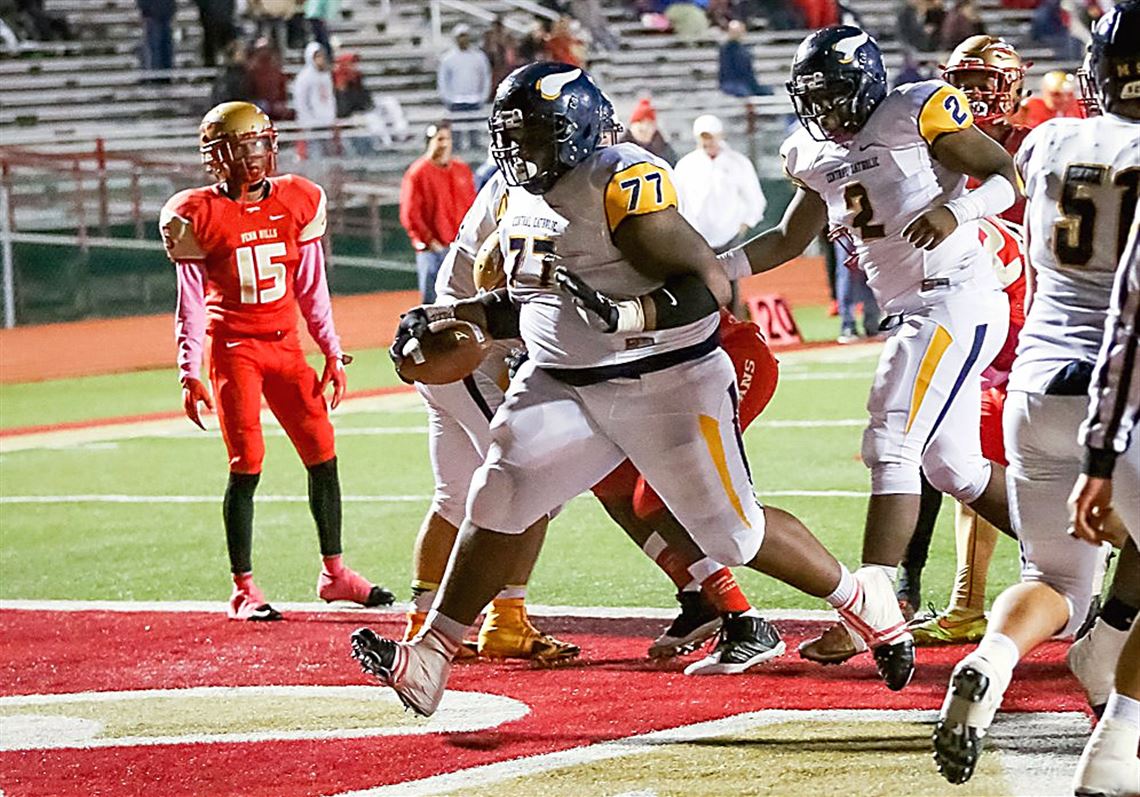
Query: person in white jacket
{"x":314,"y":100}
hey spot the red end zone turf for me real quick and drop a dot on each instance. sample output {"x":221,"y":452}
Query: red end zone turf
{"x":612,"y":692}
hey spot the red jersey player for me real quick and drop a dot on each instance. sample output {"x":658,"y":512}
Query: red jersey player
{"x":247,"y":250}
{"x":991,"y":74}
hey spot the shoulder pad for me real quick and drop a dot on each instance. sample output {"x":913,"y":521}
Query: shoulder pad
{"x":309,"y":201}
{"x":175,"y":223}
{"x":796,"y":152}
{"x":638,"y":183}
{"x":939,"y":109}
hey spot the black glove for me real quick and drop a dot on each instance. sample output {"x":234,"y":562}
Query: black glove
{"x":597,"y":309}
{"x":413,"y":326}
{"x":515,"y":361}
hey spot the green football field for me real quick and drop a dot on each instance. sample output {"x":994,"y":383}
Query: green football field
{"x":133,"y":512}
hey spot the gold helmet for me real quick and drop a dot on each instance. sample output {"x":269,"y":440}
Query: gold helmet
{"x":990,"y":73}
{"x":238,"y":143}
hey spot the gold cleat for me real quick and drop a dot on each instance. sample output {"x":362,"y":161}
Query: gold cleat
{"x":508,"y":633}
{"x":416,"y":622}
{"x":834,"y":646}
{"x":949,"y":627}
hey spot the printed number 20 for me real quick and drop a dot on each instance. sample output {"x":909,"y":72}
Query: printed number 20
{"x":956,"y":113}
{"x":633,"y":185}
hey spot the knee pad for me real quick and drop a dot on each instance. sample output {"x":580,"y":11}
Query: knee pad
{"x":733,"y":545}
{"x":491,"y":504}
{"x":452,"y":508}
{"x":646,"y":502}
{"x":963,"y":481}
{"x":896,"y":478}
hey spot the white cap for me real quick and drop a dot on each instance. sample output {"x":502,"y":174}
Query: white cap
{"x":707,"y":123}
{"x":460,"y":30}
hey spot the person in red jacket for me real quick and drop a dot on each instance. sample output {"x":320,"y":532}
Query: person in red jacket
{"x":436,"y":192}
{"x":247,"y":252}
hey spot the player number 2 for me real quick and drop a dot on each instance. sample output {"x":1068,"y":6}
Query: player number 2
{"x":855,"y":195}
{"x":956,"y":113}
{"x":633,"y":186}
{"x":255,"y":264}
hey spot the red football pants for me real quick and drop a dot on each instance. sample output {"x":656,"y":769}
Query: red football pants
{"x":244,"y":369}
{"x":757,"y":373}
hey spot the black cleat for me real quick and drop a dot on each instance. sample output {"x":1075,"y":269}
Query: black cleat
{"x":895,"y":663}
{"x":697,"y":621}
{"x":744,"y":642}
{"x":379,"y":596}
{"x":375,"y":654}
{"x":957,"y":743}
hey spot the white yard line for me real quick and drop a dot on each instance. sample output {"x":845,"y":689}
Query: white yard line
{"x":586,"y":612}
{"x":1037,"y":773}
{"x":118,"y":498}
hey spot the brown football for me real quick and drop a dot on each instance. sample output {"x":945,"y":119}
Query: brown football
{"x":448,"y":354}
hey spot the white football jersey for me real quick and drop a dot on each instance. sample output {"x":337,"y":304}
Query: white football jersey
{"x":1082,"y":177}
{"x":884,"y":178}
{"x":572,"y":226}
{"x":456,"y":279}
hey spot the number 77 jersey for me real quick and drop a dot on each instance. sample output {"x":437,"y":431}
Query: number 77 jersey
{"x":250,"y":251}
{"x":886,"y":176}
{"x":1082,"y":179}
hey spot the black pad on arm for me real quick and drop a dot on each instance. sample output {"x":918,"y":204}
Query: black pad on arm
{"x":683,"y":300}
{"x":502,"y":314}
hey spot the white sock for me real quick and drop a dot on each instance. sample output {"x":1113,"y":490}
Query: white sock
{"x":1122,"y":709}
{"x":511,"y":591}
{"x":653,"y":546}
{"x":701,"y":570}
{"x":845,"y":592}
{"x":1002,"y":654}
{"x":452,"y":630}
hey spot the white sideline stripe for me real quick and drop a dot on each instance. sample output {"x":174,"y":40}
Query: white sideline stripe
{"x":109,"y":498}
{"x":218,"y":606}
{"x":1028,"y":773}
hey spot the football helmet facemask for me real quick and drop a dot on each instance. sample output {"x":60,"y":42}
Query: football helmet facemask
{"x":546,"y":119}
{"x":1112,"y":76}
{"x":238,"y":143}
{"x":837,"y":81}
{"x":990,"y":73}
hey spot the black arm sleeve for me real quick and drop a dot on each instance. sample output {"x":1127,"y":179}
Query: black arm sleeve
{"x":502,"y":314}
{"x":682,"y":300}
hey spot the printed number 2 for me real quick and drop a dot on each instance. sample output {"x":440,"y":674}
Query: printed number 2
{"x":254,"y":264}
{"x":956,"y":112}
{"x":860,"y":204}
{"x":633,"y":185}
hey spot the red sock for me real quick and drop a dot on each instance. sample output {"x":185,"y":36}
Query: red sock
{"x":332,"y":564}
{"x":724,"y":593}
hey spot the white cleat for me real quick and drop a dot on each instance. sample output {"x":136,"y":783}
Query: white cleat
{"x":1108,"y":765}
{"x":874,"y":615}
{"x":417,"y":671}
{"x":973,"y":698}
{"x":1092,"y":659}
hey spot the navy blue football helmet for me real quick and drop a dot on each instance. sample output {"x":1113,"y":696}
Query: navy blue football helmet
{"x":1111,"y":75}
{"x":546,"y":119}
{"x":838,"y":80}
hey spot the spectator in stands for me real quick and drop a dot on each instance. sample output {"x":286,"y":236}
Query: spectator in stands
{"x":589,"y":13}
{"x":912,"y":70}
{"x":736,"y":76}
{"x":723,"y":198}
{"x":688,"y":20}
{"x":320,"y":13}
{"x":27,"y":20}
{"x":267,"y":80}
{"x":852,"y":291}
{"x":961,"y":23}
{"x":563,"y":43}
{"x":271,"y":18}
{"x":919,"y":24}
{"x":314,"y":100}
{"x":501,"y":50}
{"x":818,"y":13}
{"x":232,"y":83}
{"x":436,"y":192}
{"x":643,"y":131}
{"x":381,"y":115}
{"x":217,"y":18}
{"x":533,"y":46}
{"x":464,"y":83}
{"x":1058,"y":97}
{"x":158,"y":40}
{"x":1050,"y":28}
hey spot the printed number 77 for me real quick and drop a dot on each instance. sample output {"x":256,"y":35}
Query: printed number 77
{"x":633,"y":185}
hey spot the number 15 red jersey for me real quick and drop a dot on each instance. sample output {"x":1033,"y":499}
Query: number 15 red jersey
{"x":250,"y":251}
